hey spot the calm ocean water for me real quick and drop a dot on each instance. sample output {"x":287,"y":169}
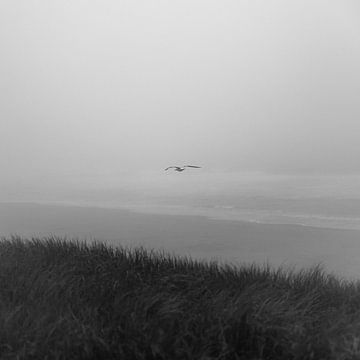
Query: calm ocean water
{"x":231,"y":217}
{"x":320,"y":201}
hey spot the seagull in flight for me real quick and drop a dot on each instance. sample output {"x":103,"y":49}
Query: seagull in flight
{"x":182,"y":168}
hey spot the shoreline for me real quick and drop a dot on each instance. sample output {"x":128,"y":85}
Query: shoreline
{"x":200,"y":237}
{"x":188,"y":211}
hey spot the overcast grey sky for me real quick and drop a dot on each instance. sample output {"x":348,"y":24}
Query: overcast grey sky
{"x":103,"y":87}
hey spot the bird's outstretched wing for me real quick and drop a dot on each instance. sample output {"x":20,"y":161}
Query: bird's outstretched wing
{"x":171,"y":167}
{"x":193,"y":166}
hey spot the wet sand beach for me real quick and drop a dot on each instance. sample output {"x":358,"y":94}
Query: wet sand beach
{"x":198,"y":236}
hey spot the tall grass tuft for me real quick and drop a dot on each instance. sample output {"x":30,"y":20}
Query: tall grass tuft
{"x":62,"y":299}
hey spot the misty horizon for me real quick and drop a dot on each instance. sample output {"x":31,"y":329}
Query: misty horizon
{"x":245,"y":86}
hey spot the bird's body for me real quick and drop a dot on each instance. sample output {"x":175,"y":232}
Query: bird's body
{"x":182,"y":168}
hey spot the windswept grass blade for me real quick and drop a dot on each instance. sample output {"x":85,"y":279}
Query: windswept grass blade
{"x":62,"y":299}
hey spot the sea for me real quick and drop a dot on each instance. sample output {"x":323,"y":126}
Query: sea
{"x":288,"y":220}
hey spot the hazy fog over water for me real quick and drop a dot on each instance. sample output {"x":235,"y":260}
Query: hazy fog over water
{"x":105,"y":89}
{"x":331,"y":201}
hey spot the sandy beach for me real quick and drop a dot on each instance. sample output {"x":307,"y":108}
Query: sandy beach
{"x":197,"y":236}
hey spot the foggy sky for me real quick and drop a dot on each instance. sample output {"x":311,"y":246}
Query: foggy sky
{"x":108,"y":87}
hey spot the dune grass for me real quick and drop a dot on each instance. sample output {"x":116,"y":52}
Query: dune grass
{"x":70,"y":300}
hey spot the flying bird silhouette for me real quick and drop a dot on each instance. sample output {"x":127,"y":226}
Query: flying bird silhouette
{"x":182,"y":168}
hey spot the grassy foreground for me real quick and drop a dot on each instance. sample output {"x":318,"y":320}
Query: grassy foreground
{"x":69,"y":300}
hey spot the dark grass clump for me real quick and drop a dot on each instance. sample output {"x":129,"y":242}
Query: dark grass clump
{"x":71,"y":300}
